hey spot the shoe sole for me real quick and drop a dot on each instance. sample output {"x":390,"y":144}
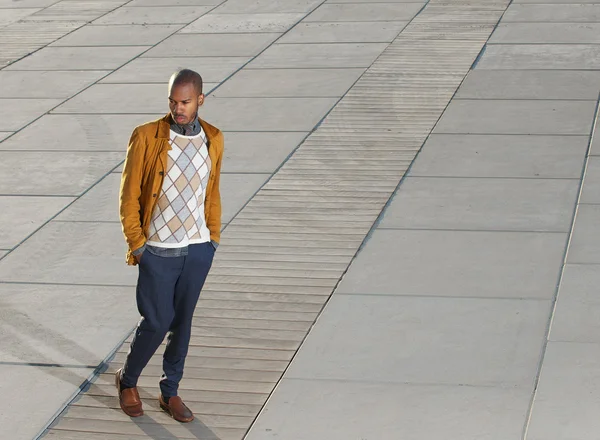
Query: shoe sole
{"x":118,"y":385}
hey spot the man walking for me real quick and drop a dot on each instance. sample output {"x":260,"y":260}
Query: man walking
{"x":170,"y":209}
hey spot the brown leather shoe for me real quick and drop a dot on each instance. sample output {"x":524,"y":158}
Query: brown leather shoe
{"x":129,"y":398}
{"x":176,"y":409}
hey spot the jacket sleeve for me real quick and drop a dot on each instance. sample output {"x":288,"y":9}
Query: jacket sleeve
{"x":131,"y":191}
{"x":214,"y":218}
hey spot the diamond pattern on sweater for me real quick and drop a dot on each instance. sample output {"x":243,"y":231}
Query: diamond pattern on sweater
{"x":178,"y":218}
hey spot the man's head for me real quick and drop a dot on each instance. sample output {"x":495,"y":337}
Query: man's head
{"x":185,"y":96}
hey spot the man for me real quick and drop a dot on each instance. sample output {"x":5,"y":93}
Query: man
{"x":170,"y":209}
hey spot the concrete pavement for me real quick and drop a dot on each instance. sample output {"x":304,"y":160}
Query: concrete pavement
{"x":408,"y":250}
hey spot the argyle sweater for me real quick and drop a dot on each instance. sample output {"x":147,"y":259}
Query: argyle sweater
{"x":178,"y":218}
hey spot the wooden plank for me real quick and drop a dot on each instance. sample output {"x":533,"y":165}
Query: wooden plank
{"x":301,"y":265}
{"x":151,"y":405}
{"x":79,"y":435}
{"x":348,"y":224}
{"x":267,"y":344}
{"x":276,"y":272}
{"x":323,"y":193}
{"x":194,"y":430}
{"x":260,"y":305}
{"x":255,"y":314}
{"x":290,"y":250}
{"x":264,"y":324}
{"x":241,"y":231}
{"x":224,"y":332}
{"x":291,"y":208}
{"x":255,"y":288}
{"x":270,"y":245}
{"x":299,"y":234}
{"x":269,"y":297}
{"x":270,"y":280}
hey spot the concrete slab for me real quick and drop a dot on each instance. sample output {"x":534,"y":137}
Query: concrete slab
{"x":266,"y":6}
{"x":585,"y":243}
{"x":159,"y":70}
{"x":10,"y":4}
{"x":289,"y":83}
{"x":100,"y":203}
{"x":562,"y":13}
{"x":119,"y":98}
{"x":591,"y":183}
{"x":556,"y":33}
{"x":243,"y":23}
{"x":318,"y":55}
{"x":49,"y":173}
{"x":366,"y":12}
{"x":57,"y":254}
{"x":344,"y":32}
{"x":536,"y":56}
{"x":438,"y":344}
{"x":75,"y":11}
{"x":517,"y":117}
{"x":577,"y":314}
{"x":59,"y":324}
{"x":237,"y":190}
{"x":5,"y":134}
{"x":146,"y":3}
{"x":213,"y":45}
{"x":267,"y":114}
{"x":21,"y":216}
{"x":154,"y":15}
{"x":3,"y":253}
{"x":22,"y":417}
{"x":501,"y":156}
{"x":52,"y":84}
{"x":530,"y":84}
{"x":29,"y":110}
{"x":566,"y":394}
{"x":301,"y":409}
{"x":133,"y":35}
{"x":483,"y":204}
{"x":77,"y":132}
{"x":453,"y":263}
{"x":78,"y":58}
{"x":248,"y":152}
{"x":10,"y":16}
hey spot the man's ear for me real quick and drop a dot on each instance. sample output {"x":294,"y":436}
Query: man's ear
{"x":201,"y":100}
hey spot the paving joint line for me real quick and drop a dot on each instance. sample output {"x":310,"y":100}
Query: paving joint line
{"x":561,"y":274}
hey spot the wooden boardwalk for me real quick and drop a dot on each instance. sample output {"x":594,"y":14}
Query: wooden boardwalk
{"x":284,"y":253}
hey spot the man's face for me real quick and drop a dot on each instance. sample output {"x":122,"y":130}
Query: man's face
{"x":184,"y":102}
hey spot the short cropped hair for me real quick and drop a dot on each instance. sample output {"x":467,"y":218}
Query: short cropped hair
{"x":187,"y":76}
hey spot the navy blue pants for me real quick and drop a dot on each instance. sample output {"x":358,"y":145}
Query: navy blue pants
{"x":167,"y":292}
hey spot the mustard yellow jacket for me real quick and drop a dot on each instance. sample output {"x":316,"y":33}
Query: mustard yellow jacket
{"x":143,"y":175}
